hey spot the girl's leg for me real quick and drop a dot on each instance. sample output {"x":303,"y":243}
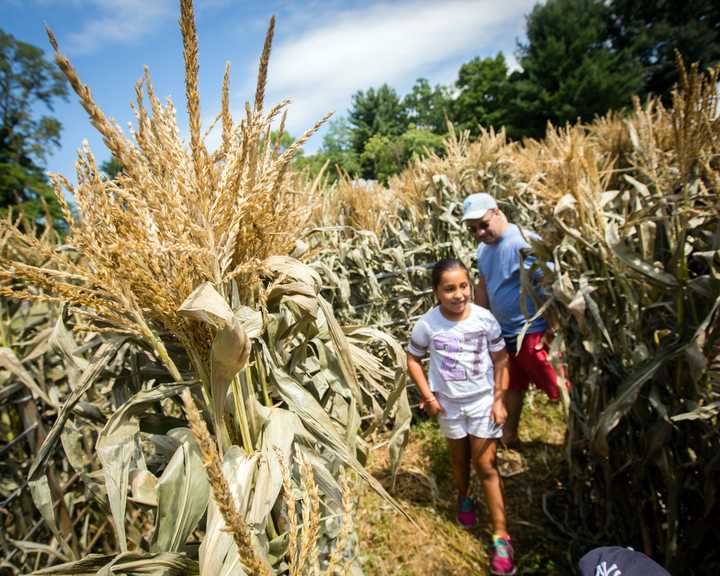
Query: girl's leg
{"x":460,"y":462}
{"x":483,"y":457}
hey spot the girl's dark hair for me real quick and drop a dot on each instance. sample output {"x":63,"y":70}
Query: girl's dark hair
{"x":443,"y":266}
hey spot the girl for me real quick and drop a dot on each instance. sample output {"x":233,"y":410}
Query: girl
{"x":468,"y":375}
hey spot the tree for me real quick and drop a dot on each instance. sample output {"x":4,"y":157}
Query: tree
{"x":27,"y":81}
{"x":381,"y":158}
{"x":286,"y":140}
{"x":650,"y":31}
{"x":385,"y":156}
{"x":428,"y":107}
{"x":419,"y":142}
{"x":376,"y":112}
{"x":338,"y":148}
{"x":111,"y":167}
{"x":483,"y":96}
{"x":336,"y":151}
{"x":569,"y":69}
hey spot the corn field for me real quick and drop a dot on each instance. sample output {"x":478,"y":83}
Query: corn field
{"x":628,"y":209}
{"x":193,"y":377}
{"x":175,"y":351}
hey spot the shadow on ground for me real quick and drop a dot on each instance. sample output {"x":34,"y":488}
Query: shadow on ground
{"x":436,"y":545}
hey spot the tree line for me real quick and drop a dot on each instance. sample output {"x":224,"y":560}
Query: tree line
{"x":580,"y":59}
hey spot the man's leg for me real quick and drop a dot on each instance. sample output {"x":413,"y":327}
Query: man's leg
{"x":513,"y":404}
{"x":536,"y":364}
{"x":514,"y":396}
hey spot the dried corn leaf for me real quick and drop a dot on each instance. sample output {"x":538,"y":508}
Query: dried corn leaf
{"x":182,"y":495}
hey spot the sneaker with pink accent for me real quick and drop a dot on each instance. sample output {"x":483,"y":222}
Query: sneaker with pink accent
{"x":466,"y":513}
{"x":502,"y":561}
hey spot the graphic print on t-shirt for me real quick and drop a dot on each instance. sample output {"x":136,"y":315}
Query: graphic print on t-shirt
{"x":461,"y":355}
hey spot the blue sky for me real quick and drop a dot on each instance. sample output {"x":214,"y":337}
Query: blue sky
{"x":324,"y":52}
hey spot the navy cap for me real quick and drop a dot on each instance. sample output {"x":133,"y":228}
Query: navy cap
{"x":617,"y":561}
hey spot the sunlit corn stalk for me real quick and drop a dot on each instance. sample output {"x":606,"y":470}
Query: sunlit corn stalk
{"x":173,"y":219}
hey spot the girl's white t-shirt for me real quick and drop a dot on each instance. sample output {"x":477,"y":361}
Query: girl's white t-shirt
{"x":460,"y":361}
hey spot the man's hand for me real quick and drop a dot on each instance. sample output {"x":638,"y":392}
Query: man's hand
{"x":546,"y":340}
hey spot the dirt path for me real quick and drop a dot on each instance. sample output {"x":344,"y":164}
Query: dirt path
{"x":392,"y":545}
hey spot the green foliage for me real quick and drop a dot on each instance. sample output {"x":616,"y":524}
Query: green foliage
{"x":338,"y":148}
{"x":111,"y":167}
{"x":384,"y":131}
{"x":312,"y":164}
{"x":428,"y":107}
{"x":25,"y":190}
{"x":582,"y":59}
{"x":27,"y":80}
{"x":384,"y":156}
{"x":286,"y":140}
{"x":376,"y":112}
{"x":650,"y":31}
{"x":484,"y":93}
{"x":419,"y":142}
{"x":336,"y":151}
{"x":569,"y":71}
{"x":381,"y":158}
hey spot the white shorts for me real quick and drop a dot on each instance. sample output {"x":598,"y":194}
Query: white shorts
{"x":468,"y":416}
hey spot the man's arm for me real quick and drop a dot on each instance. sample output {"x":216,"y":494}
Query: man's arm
{"x":481,"y":296}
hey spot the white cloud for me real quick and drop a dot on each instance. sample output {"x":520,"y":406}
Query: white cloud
{"x":512,"y":63}
{"x":119,"y":22}
{"x":394,"y":42}
{"x":123,"y":22}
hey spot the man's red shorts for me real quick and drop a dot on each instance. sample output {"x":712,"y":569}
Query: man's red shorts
{"x":531,"y":364}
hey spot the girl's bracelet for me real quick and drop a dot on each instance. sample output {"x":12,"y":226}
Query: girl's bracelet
{"x":430,"y":400}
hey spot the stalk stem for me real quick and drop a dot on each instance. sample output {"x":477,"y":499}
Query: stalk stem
{"x":160,"y":350}
{"x":242,"y":414}
{"x":249,"y":389}
{"x":263,"y":379}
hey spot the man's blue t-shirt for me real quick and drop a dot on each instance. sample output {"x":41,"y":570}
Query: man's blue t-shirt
{"x":499,"y":265}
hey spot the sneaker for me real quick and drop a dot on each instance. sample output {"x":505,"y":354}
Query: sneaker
{"x":502,"y":561}
{"x":466,"y":513}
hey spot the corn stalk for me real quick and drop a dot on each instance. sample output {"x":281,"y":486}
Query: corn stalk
{"x":175,"y":271}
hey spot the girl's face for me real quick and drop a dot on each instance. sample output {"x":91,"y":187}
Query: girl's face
{"x":453,"y":292}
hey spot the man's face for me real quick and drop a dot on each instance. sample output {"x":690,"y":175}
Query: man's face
{"x":487,"y":228}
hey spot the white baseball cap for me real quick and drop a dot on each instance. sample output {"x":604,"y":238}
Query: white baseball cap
{"x":475,"y":206}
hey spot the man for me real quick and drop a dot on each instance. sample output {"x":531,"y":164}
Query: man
{"x":499,"y":289}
